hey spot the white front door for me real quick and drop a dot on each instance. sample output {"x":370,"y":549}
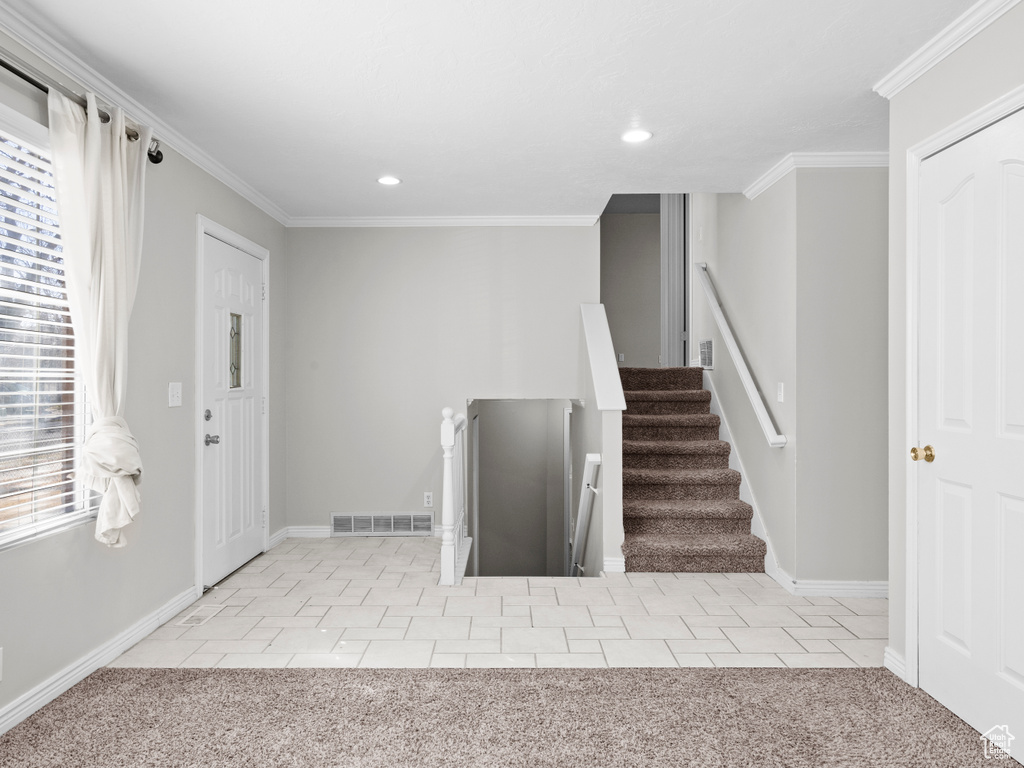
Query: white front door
{"x":230,"y":403}
{"x":971,"y":412}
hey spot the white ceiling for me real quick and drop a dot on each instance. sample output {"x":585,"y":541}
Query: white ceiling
{"x":498,"y":107}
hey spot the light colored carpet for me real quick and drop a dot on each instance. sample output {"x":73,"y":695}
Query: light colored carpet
{"x":492,"y":717}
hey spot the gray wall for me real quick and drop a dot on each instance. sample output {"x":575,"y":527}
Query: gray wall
{"x":68,"y":594}
{"x":754,"y":270}
{"x":521,"y":487}
{"x":388,"y":326}
{"x":801,"y":274}
{"x":631,"y":285}
{"x":840,"y":393}
{"x":977,"y":73}
{"x":556,"y":480}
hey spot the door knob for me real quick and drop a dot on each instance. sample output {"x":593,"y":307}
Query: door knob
{"x":927,"y":453}
{"x":215,"y":440}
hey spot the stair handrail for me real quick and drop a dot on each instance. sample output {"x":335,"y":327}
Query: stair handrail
{"x":578,"y":545}
{"x":775,"y":440}
{"x":455,"y":544}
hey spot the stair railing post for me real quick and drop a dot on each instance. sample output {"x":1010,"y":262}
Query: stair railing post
{"x":447,"y":500}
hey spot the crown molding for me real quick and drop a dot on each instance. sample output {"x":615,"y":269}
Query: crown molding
{"x":25,"y":32}
{"x":816,"y":160}
{"x":441,"y":221}
{"x":973,"y":21}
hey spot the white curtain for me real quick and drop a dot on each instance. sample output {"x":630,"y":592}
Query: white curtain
{"x":99,"y":175}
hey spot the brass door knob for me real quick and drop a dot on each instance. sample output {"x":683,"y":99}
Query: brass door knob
{"x":927,"y":453}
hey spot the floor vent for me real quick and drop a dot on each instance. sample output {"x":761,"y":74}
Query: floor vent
{"x":383,"y":525}
{"x":200,"y":616}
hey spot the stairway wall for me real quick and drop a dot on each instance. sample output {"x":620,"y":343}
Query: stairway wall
{"x":802,"y":277}
{"x":521,"y":489}
{"x":631,"y":285}
{"x":754,"y":269}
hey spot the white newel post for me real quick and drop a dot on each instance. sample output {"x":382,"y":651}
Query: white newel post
{"x":448,"y":500}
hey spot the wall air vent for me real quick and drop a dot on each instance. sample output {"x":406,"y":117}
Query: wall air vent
{"x":402,"y":524}
{"x":707,"y":356}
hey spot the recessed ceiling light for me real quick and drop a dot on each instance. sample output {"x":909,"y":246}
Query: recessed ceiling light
{"x":389,"y":180}
{"x":636,"y":135}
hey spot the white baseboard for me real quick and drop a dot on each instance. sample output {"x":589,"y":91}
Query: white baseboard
{"x":300,"y":532}
{"x":48,"y":690}
{"x":614,"y":565}
{"x":895,"y":663}
{"x":824,"y":588}
{"x":277,"y":537}
{"x":771,"y":567}
{"x":812,"y":588}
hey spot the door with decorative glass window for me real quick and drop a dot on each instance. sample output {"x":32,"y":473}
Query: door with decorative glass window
{"x":971,"y":427}
{"x":230,"y":403}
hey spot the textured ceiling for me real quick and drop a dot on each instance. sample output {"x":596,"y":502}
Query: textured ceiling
{"x":499,"y":107}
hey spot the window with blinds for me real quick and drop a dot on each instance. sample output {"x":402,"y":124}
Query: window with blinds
{"x":42,"y":403}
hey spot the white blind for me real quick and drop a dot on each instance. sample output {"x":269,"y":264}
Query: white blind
{"x":42,"y":404}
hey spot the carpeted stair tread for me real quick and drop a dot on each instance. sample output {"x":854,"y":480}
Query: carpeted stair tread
{"x":676,"y":447}
{"x":720,"y":509}
{"x":712,"y":476}
{"x":661,"y":378}
{"x":673,"y":452}
{"x":670,"y":420}
{"x":736,"y":544}
{"x":668,"y":401}
{"x":670,"y":395}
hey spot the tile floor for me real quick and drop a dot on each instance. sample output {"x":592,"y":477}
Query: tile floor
{"x":374,"y":602}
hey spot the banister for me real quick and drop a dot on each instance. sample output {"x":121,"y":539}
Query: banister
{"x":775,"y":440}
{"x":455,"y":545}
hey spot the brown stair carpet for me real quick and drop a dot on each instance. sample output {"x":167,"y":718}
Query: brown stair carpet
{"x":680,"y":501}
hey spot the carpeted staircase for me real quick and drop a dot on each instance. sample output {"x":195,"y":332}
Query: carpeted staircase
{"x":680,"y":501}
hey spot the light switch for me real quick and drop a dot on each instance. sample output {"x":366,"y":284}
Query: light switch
{"x":781,"y":393}
{"x":174,"y":394}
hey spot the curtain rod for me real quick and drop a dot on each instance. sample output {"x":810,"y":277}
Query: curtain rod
{"x":37,"y":79}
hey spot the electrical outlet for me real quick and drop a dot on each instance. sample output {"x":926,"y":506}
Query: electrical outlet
{"x":428,"y":499}
{"x":622,"y":357}
{"x":174,"y":394}
{"x":1,"y":664}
